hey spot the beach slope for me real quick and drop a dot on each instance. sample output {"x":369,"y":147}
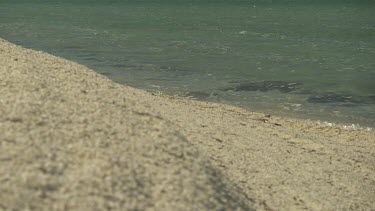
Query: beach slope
{"x":72,"y":139}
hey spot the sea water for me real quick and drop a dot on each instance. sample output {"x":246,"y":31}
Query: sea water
{"x":307,"y":59}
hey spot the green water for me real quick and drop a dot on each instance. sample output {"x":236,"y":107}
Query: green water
{"x":309,"y":59}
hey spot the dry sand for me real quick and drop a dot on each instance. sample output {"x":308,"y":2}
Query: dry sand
{"x":72,"y":139}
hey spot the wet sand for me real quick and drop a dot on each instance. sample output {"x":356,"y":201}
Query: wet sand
{"x":72,"y":139}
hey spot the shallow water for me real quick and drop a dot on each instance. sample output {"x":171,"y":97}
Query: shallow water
{"x":303,"y":60}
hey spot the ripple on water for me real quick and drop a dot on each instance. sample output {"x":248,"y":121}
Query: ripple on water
{"x":265,"y":86}
{"x":201,"y":95}
{"x":341,"y":99}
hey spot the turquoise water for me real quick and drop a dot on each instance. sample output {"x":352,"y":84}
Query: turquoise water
{"x":311,"y":60}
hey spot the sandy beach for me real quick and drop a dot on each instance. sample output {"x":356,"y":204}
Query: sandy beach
{"x":72,"y":139}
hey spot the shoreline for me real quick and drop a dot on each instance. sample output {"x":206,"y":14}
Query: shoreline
{"x":77,"y":133}
{"x":329,"y":120}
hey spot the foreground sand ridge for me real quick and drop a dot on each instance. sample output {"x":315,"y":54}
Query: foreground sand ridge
{"x":72,"y":139}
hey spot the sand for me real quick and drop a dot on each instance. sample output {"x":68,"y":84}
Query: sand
{"x":72,"y":139}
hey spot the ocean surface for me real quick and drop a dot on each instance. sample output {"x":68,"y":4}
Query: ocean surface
{"x":305,"y":59}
